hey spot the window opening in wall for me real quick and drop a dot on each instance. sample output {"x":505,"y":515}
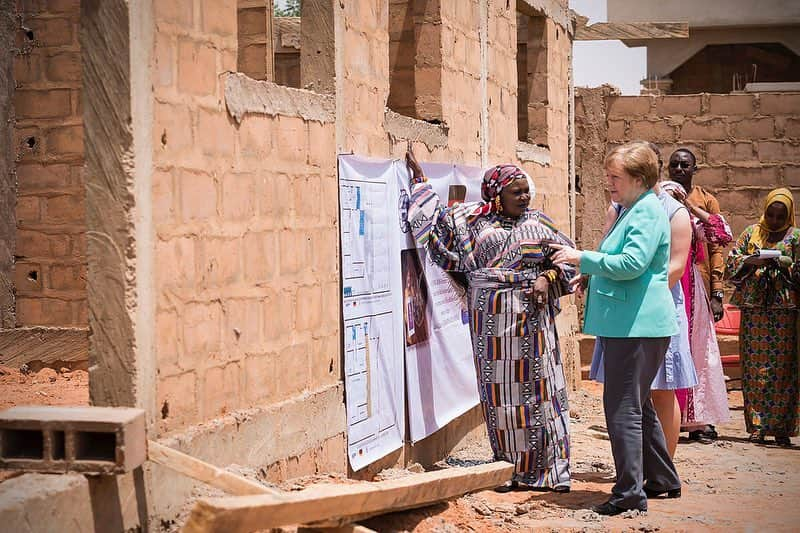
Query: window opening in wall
{"x":532,"y":98}
{"x":415,"y":59}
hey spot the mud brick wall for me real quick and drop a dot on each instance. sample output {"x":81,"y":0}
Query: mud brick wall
{"x":746,"y":145}
{"x":8,"y":185}
{"x":50,"y":271}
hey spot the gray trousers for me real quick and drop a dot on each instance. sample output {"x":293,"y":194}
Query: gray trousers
{"x":637,"y":440}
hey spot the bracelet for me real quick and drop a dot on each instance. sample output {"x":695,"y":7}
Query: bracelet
{"x":551,"y":275}
{"x":421,"y":179}
{"x":718,"y":294}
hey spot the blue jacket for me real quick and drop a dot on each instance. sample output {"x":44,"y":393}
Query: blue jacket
{"x":628,"y":294}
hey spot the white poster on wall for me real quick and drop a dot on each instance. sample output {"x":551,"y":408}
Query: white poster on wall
{"x":371,"y":304}
{"x":440,"y":370}
{"x":399,"y":307}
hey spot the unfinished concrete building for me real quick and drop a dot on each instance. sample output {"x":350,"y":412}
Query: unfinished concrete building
{"x":178,"y":199}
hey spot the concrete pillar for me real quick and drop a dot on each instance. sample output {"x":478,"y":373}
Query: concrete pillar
{"x":8,"y":180}
{"x":317,"y":50}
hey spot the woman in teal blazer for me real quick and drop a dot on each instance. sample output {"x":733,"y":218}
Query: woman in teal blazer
{"x":630,"y":309}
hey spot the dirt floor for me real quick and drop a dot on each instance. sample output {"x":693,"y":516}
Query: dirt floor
{"x":730,"y":485}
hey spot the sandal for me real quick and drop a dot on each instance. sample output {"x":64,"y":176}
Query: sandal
{"x":783,"y":441}
{"x":759,"y":437}
{"x":508,"y":486}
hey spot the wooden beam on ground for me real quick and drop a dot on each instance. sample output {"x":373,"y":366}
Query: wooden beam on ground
{"x":333,"y":501}
{"x":604,"y":31}
{"x":205,"y":472}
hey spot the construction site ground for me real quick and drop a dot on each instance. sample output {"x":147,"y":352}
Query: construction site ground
{"x":730,"y":485}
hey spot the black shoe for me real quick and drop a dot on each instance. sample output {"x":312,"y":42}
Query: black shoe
{"x":508,"y":486}
{"x":783,"y":441}
{"x":609,"y":509}
{"x":700,"y":436}
{"x":674,"y":493}
{"x":561,"y":489}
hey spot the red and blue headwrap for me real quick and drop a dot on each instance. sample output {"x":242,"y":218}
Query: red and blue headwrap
{"x":497,"y":178}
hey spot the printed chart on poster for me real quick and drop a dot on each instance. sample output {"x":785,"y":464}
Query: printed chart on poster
{"x":373,"y":344}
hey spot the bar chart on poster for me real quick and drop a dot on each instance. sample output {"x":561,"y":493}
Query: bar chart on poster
{"x":373,"y":344}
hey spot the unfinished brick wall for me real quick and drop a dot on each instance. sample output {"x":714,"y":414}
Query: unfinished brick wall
{"x":746,"y":145}
{"x":50,"y":270}
{"x":8,"y":186}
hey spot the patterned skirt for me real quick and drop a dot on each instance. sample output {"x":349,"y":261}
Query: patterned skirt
{"x":768,"y":344}
{"x":521,"y":383}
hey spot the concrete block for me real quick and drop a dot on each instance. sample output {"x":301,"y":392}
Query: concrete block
{"x":780,"y":104}
{"x":98,"y":440}
{"x":627,"y":106}
{"x":678,"y":105}
{"x":731,"y":104}
{"x":46,"y":503}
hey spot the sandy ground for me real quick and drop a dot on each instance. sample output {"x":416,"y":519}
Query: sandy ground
{"x":731,"y":485}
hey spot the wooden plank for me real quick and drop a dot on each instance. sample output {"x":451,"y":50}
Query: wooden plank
{"x":329,"y":502}
{"x":53,"y":347}
{"x":619,"y":31}
{"x":205,"y":472}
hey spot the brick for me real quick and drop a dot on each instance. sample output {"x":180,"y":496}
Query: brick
{"x":44,"y":312}
{"x":260,"y":378}
{"x":197,"y":68}
{"x":742,"y":201}
{"x":260,"y":256}
{"x":198,"y":196}
{"x":652,"y":131}
{"x":67,"y":140}
{"x":308,"y":315}
{"x":791,"y":176}
{"x":791,"y":127}
{"x":252,"y":61}
{"x":65,"y":66}
{"x":37,"y":244}
{"x":252,"y":21}
{"x":731,"y":104}
{"x":779,"y":104}
{"x":242,"y":324}
{"x":175,"y":262}
{"x":707,"y":176}
{"x":165,"y":60}
{"x":27,"y":68}
{"x":616,"y":130}
{"x":178,"y":12}
{"x":293,"y":362}
{"x":215,"y":132}
{"x":98,"y":440}
{"x":778,"y":151}
{"x":167,"y":342}
{"x":35,"y":178}
{"x":201,"y":332}
{"x":28,"y":210}
{"x":172,"y":130}
{"x":294,"y":251}
{"x":325,"y":251}
{"x":700,"y":130}
{"x":292,"y":134}
{"x":177,"y":398}
{"x":51,"y":31}
{"x":72,"y":7}
{"x":27,"y":278}
{"x":678,"y":105}
{"x":238,"y":196}
{"x":42,"y":104}
{"x":219,"y":17}
{"x":221,"y":388}
{"x":66,"y":209}
{"x":627,"y":106}
{"x":63,"y":277}
{"x":277,"y":312}
{"x":325,"y":361}
{"x":164,"y":195}
{"x":754,"y":128}
{"x":754,"y":176}
{"x":222,"y":260}
{"x":723,"y":153}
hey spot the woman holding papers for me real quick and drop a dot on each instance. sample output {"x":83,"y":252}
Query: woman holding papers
{"x":764,"y":268}
{"x":502,"y":246}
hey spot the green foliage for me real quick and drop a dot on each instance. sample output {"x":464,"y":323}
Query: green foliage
{"x":292,"y":9}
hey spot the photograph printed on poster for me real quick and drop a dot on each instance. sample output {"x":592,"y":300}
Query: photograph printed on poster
{"x":415,"y":298}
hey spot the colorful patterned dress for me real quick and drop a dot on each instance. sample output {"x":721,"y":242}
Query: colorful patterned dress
{"x":768,"y":298}
{"x":707,"y":402}
{"x":515,"y":344}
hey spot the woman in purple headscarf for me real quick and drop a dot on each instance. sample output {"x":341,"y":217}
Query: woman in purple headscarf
{"x":501,"y":244}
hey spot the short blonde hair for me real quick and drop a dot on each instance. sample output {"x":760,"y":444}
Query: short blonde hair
{"x":637,"y":159}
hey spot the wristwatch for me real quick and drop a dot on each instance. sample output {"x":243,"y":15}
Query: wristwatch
{"x":718,"y":294}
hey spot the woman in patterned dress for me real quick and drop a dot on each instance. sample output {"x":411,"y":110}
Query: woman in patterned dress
{"x":767,"y":293}
{"x":501,"y":244}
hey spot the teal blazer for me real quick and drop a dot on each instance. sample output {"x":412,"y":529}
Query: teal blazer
{"x":628,"y":293}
